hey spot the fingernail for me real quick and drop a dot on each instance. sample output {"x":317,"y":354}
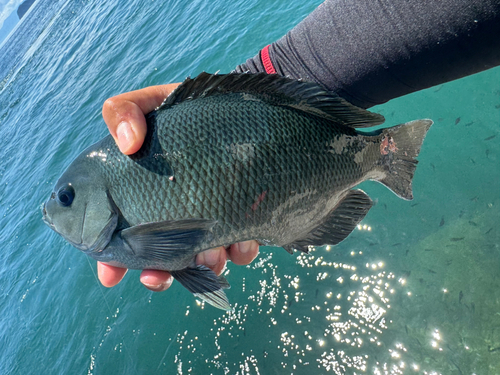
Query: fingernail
{"x":244,"y":247}
{"x":209,"y":257}
{"x":125,"y":135}
{"x":157,"y":287}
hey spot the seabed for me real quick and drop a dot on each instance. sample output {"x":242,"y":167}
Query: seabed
{"x":454,"y":307}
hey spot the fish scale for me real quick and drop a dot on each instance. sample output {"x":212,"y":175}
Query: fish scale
{"x":219,"y":167}
{"x":227,"y":159}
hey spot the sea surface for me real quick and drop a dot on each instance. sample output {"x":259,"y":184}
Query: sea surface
{"x":414,"y":290}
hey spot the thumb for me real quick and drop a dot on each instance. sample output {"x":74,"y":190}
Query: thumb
{"x":124,"y":115}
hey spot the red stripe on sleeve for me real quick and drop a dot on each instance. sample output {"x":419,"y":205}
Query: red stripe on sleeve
{"x":266,"y":60}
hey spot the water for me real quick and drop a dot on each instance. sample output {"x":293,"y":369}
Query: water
{"x":414,"y":290}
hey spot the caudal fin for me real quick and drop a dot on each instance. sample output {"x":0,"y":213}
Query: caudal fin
{"x":399,"y":147}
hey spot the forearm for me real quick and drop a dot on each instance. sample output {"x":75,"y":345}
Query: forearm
{"x":370,"y":52}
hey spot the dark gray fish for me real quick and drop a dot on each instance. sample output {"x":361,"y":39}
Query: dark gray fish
{"x":229,"y":158}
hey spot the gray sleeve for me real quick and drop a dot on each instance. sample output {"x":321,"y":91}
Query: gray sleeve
{"x":372,"y":51}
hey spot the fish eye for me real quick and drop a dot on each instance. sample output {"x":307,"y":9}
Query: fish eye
{"x":65,"y":195}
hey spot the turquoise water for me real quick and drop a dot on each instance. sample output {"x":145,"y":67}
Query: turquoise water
{"x":414,"y":291}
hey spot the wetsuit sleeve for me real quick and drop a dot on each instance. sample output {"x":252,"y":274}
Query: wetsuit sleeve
{"x":372,"y":51}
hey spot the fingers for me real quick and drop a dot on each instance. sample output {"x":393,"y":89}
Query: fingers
{"x":158,"y":281}
{"x":214,"y":259}
{"x":108,"y":275}
{"x":243,"y":253}
{"x":124,"y":115}
{"x":240,"y":253}
{"x":155,"y":280}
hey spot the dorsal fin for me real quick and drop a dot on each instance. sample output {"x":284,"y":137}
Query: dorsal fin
{"x":277,"y":90}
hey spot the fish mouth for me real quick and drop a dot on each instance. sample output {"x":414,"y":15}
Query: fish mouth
{"x":45,"y":216}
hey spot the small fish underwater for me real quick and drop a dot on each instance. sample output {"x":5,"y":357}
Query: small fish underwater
{"x":229,"y":158}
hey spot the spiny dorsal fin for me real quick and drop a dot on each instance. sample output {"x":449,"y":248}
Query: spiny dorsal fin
{"x":277,"y":90}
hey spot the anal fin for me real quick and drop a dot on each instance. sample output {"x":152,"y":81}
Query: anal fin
{"x":338,"y":224}
{"x":204,"y":284}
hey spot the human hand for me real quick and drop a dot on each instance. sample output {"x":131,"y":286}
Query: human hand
{"x":124,"y":116}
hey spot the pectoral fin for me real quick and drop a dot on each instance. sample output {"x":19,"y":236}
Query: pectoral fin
{"x":204,"y":284}
{"x":166,"y":240}
{"x":338,"y":225}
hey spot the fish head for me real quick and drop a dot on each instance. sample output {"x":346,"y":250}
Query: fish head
{"x":80,"y":208}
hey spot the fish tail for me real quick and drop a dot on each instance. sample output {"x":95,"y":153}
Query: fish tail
{"x":399,"y":146}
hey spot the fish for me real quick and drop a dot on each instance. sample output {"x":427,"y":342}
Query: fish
{"x":229,"y":158}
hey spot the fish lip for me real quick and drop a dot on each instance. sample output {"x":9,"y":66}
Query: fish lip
{"x":45,"y":216}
